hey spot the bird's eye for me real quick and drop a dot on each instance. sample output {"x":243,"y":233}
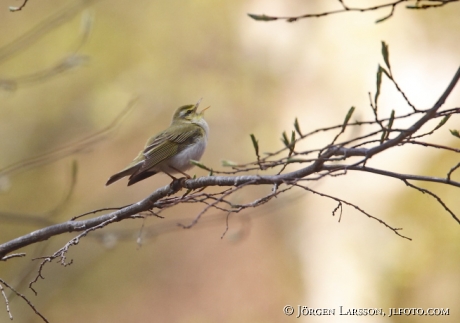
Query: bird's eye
{"x":185,"y":112}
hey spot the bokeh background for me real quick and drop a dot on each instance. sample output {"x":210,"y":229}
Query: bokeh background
{"x":257,"y":77}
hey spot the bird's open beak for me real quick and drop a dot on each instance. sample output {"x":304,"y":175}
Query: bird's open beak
{"x":202,"y":111}
{"x":197,"y":104}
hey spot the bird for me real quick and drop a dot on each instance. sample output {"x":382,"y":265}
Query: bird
{"x":171,"y":150}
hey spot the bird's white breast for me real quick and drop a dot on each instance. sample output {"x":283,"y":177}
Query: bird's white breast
{"x":194,"y":151}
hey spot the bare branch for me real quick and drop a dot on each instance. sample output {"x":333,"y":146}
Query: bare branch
{"x":393,"y":174}
{"x":417,"y":4}
{"x":13,"y":9}
{"x":340,"y":201}
{"x":453,"y":169}
{"x":7,"y":303}
{"x":21,"y":296}
{"x":440,"y":201}
{"x":13,"y":255}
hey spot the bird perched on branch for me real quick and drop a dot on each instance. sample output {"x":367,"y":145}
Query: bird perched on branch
{"x":171,"y":150}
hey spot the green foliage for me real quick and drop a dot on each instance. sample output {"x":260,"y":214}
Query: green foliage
{"x":379,"y":83}
{"x":255,"y":143}
{"x":297,"y":127}
{"x":285,"y":139}
{"x":261,"y":17}
{"x":386,"y":55}
{"x":386,"y":133}
{"x":442,"y":122}
{"x":200,"y":165}
{"x":347,"y":118}
{"x":228,"y":163}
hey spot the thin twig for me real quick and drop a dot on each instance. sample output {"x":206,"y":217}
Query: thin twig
{"x":440,"y":201}
{"x":391,"y":5}
{"x":25,"y":299}
{"x":395,"y":230}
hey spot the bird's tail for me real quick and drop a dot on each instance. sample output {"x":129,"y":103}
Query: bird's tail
{"x":117,"y":176}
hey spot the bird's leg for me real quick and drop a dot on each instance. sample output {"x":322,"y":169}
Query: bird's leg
{"x":176,"y":184}
{"x":187,"y":176}
{"x":172,"y":177}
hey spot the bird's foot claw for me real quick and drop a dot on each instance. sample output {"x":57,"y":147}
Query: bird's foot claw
{"x":177,"y":184}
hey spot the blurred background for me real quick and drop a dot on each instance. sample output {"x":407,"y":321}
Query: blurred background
{"x":61,"y":82}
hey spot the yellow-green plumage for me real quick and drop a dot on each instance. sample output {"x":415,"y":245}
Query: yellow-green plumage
{"x":171,"y":150}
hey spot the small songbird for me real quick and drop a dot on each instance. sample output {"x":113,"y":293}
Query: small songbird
{"x":171,"y":150}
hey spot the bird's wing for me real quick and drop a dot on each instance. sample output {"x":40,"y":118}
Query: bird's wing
{"x":160,"y":148}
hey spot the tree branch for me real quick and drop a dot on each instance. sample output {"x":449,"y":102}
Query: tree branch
{"x":159,"y":199}
{"x":417,"y":4}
